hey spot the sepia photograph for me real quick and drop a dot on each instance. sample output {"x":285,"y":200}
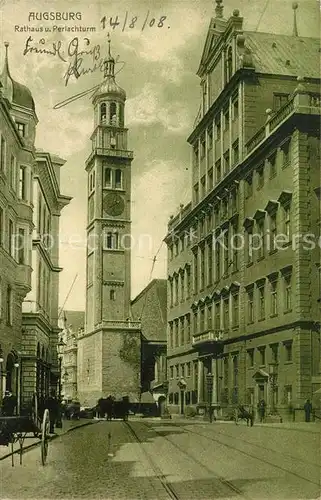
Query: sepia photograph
{"x":160,"y":237}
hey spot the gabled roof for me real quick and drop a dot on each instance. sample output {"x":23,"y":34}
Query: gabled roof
{"x":284,"y":54}
{"x":150,"y":307}
{"x":74,"y":319}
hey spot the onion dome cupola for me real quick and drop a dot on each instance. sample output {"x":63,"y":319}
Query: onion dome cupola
{"x":109,"y":98}
{"x":15,"y":92}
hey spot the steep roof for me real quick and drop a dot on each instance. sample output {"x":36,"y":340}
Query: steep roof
{"x":284,"y":54}
{"x":150,"y":306}
{"x":74,"y":319}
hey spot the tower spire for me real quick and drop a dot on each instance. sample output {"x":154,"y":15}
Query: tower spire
{"x":219,"y":8}
{"x":5,"y":77}
{"x":109,"y":63}
{"x":295,"y":26}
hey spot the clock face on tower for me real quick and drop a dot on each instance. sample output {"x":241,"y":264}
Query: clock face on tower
{"x":113,"y":204}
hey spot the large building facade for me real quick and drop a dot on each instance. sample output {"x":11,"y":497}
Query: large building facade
{"x":18,"y":122}
{"x":39,"y":364}
{"x":109,"y":349}
{"x":243,"y":294}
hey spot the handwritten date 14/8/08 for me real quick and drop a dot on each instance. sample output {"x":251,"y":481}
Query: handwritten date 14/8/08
{"x":133,"y":22}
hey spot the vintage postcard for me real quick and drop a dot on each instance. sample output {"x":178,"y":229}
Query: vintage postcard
{"x":160,"y":269}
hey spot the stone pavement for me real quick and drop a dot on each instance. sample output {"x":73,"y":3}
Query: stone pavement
{"x":67,"y":426}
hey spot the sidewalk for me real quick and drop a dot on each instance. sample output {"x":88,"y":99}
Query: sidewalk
{"x":67,"y":426}
{"x":312,"y":427}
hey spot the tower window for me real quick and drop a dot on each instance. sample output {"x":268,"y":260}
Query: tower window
{"x":112,"y":113}
{"x":112,"y":241}
{"x":21,"y":129}
{"x":109,"y":240}
{"x":112,"y":294}
{"x":118,"y":179}
{"x":107,"y":179}
{"x":103,"y":112}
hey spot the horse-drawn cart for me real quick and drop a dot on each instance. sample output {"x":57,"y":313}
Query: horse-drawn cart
{"x":17,"y":428}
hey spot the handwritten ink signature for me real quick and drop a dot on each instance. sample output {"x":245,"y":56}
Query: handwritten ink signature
{"x":76,"y":55}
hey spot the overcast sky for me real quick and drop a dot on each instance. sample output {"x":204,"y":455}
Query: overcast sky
{"x":162,"y":88}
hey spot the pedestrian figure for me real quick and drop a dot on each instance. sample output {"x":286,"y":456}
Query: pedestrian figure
{"x":101,"y":409}
{"x":109,"y":408}
{"x":9,"y":404}
{"x":307,"y":410}
{"x":261,"y":410}
{"x":52,"y":405}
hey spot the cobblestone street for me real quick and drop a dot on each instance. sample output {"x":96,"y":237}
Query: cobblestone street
{"x":153,"y":459}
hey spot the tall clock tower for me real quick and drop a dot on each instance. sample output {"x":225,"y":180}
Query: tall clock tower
{"x":109,"y":348}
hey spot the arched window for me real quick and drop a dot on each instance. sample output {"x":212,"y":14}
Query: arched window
{"x":118,"y":179}
{"x":112,"y":294}
{"x":229,"y":64}
{"x":103,"y":112}
{"x":112,"y":113}
{"x":121,"y":115}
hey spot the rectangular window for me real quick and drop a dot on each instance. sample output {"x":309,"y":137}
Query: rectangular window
{"x":188,"y":282}
{"x":275,"y":353}
{"x":279,"y":100}
{"x":196,"y":193}
{"x":209,"y":317}
{"x":235,"y":310}
{"x":10,"y":240}
{"x":210,"y":138}
{"x":287,"y":220}
{"x":288,"y":292}
{"x":188,"y":369}
{"x":182,"y":286}
{"x":235,"y":152}
{"x":170,"y":334}
{"x":218,"y":128}
{"x":202,"y":284}
{"x":226,"y":252}
{"x":171,"y":371}
{"x":226,"y":113}
{"x":261,"y":242}
{"x":226,"y":314}
{"x":203,"y":147}
{"x":210,"y":179}
{"x":195,"y":323}
{"x":210,"y":264}
{"x":176,"y":371}
{"x":288,"y":351}
{"x":250,"y":357}
{"x":107,"y":178}
{"x":195,"y":156}
{"x":109,"y":240}
{"x":9,"y":305}
{"x":250,"y":306}
{"x":262,"y":356}
{"x":195,"y":272}
{"x":217,"y":261}
{"x":274,"y":299}
{"x":272,"y":165}
{"x":21,"y":128}
{"x":262,"y":302}
{"x":182,"y":330}
{"x":249,"y":186}
{"x":273,"y":231}
{"x":203,"y":189}
{"x":202,"y":320}
{"x":183,"y":370}
{"x":217,"y":315}
{"x":13,"y":172}
{"x":22,"y":183}
{"x":249,"y":246}
{"x":188,"y":328}
{"x":286,"y":151}
{"x":21,"y":246}
{"x":2,"y":154}
{"x":1,"y":226}
{"x":226,"y":158}
{"x":218,"y":170}
{"x":235,"y":105}
{"x":260,"y":177}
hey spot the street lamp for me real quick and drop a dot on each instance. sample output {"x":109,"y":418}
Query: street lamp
{"x":209,"y":383}
{"x":272,"y":379}
{"x":182,"y":386}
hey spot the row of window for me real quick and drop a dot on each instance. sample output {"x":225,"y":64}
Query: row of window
{"x":279,"y":158}
{"x":267,"y":297}
{"x":113,"y":179}
{"x":6,"y":303}
{"x":16,"y":241}
{"x":112,"y":114}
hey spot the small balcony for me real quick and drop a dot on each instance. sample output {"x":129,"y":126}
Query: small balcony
{"x":23,"y":275}
{"x":212,"y":340}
